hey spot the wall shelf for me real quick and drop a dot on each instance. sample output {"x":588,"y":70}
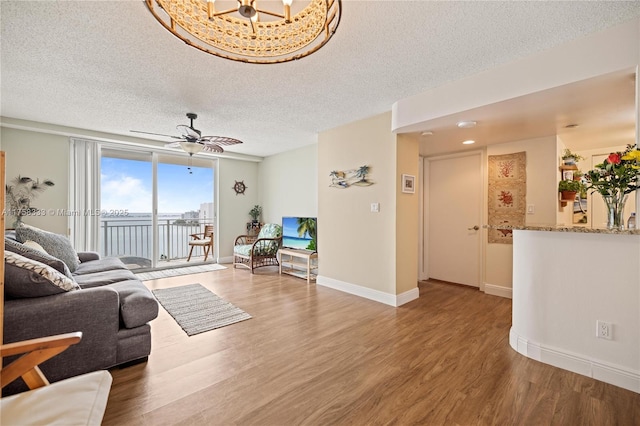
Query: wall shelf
{"x":566,"y":173}
{"x":569,"y":167}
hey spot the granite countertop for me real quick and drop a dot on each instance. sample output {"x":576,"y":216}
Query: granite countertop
{"x":576,"y":229}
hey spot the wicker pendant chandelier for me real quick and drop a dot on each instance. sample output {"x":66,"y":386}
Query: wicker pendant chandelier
{"x":253,"y":31}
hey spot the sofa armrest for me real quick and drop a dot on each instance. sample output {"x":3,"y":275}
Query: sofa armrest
{"x":94,"y":311}
{"x":86,"y":256}
{"x":138,"y":306}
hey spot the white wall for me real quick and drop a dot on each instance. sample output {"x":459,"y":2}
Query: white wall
{"x":563,"y":283}
{"x":408,"y":227}
{"x":234,"y":209}
{"x":43,"y":156}
{"x":288,"y":184}
{"x":542,"y":193}
{"x":356,"y":246}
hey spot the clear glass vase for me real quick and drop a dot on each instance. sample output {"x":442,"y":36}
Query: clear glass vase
{"x":615,"y":210}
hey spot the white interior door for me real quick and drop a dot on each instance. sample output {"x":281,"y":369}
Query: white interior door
{"x":454,"y":218}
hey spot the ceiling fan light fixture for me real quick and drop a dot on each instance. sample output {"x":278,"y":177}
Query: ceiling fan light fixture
{"x":191,"y":147}
{"x":250,"y":32}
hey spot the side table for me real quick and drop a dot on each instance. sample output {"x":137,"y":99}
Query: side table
{"x":299,"y":263}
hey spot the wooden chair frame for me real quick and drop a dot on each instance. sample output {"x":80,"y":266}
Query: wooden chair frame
{"x":200,"y":240}
{"x":78,"y":400}
{"x":35,"y":352}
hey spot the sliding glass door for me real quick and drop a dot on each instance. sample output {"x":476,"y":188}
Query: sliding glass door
{"x":185,"y":205}
{"x":152,"y":204}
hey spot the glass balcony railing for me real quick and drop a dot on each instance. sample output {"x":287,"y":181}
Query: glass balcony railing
{"x":133,"y":238}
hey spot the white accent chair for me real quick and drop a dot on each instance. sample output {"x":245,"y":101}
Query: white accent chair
{"x":79,"y":400}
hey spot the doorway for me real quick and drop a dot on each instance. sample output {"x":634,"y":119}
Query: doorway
{"x":151,"y":204}
{"x":453,"y":218}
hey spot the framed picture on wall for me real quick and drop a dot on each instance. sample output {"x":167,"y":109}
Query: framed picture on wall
{"x":408,"y":184}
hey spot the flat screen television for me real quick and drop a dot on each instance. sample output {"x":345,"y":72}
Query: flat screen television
{"x":300,"y":232}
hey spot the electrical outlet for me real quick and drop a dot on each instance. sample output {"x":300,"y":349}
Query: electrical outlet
{"x":604,"y":330}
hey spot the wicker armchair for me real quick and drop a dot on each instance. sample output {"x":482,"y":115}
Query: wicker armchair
{"x":253,"y":252}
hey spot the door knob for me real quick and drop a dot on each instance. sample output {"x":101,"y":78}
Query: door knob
{"x":475,"y":228}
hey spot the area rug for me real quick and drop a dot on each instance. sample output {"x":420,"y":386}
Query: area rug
{"x":174,"y":272}
{"x":197,"y":309}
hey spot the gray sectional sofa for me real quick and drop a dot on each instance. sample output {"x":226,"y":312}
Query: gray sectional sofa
{"x":99,"y":297}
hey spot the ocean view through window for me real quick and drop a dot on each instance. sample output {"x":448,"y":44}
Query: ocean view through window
{"x":184,"y":205}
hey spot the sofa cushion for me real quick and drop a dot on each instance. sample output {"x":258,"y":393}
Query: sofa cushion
{"x":243,"y":249}
{"x":97,"y":279}
{"x":270,"y":230}
{"x":40,"y":256}
{"x":104,"y":264}
{"x":86,"y":256}
{"x":56,"y":245}
{"x":25,"y":277}
{"x":34,"y":245}
{"x":137,"y":304}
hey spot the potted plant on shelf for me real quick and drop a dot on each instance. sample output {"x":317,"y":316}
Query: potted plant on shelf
{"x":569,"y":158}
{"x":569,"y":189}
{"x":255,"y":213}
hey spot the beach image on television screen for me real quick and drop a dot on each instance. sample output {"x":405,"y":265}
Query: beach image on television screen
{"x":300,"y":233}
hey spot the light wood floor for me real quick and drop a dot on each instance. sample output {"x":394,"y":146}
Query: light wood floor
{"x":316,"y":356}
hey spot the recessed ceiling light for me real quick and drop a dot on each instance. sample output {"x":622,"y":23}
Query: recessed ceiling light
{"x":571,"y":126}
{"x":469,"y":142}
{"x":427,"y":133}
{"x":466,"y":124}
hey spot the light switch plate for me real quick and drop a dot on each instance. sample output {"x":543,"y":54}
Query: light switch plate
{"x":375,"y":207}
{"x":531,"y":209}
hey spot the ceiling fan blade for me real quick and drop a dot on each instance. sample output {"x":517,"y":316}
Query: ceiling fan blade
{"x":220,"y":140}
{"x":188,"y":131}
{"x":174,"y":144}
{"x":211,"y":147}
{"x":156,"y":134}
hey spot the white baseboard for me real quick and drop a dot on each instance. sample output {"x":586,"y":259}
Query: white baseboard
{"x":368,"y":293}
{"x":226,"y":259}
{"x":497,"y":290}
{"x":577,"y":363}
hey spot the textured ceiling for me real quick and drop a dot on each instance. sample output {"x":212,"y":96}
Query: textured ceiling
{"x":109,"y":66}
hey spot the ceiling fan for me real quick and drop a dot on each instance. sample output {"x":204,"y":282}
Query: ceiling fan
{"x":192,"y":141}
